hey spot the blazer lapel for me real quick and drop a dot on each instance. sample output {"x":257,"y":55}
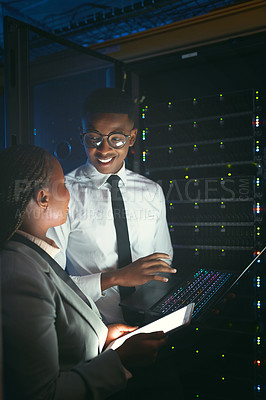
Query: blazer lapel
{"x":71,"y":293}
{"x":89,"y":313}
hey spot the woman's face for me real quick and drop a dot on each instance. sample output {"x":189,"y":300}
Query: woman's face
{"x":58,"y":196}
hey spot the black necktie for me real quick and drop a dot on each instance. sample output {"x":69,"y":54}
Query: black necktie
{"x":122,"y":237}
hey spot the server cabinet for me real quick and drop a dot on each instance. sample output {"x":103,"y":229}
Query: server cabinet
{"x":207,"y":154}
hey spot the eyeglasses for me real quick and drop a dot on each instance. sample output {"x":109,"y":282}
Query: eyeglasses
{"x":93,"y":139}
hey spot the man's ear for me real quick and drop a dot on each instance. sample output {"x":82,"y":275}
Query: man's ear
{"x":42,"y":198}
{"x":133,"y":136}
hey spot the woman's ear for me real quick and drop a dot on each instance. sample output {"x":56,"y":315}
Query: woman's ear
{"x":42,"y":198}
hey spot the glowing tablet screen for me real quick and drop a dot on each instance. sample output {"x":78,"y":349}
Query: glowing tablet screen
{"x":169,"y":323}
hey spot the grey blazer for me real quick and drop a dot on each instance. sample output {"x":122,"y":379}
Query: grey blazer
{"x":51,"y":337}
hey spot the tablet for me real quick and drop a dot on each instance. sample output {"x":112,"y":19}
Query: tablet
{"x":170,"y":323}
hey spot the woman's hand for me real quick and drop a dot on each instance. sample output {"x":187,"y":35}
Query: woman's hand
{"x":117,"y":330}
{"x":141,"y":349}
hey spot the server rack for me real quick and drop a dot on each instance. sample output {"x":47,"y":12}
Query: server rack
{"x":207,"y":154}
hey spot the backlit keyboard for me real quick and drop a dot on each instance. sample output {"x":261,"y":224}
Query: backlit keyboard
{"x":200,"y":290}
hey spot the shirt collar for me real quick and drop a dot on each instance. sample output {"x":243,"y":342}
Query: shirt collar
{"x":51,"y":249}
{"x":100,"y":179}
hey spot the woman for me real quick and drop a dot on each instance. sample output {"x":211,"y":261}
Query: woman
{"x":53,"y":335}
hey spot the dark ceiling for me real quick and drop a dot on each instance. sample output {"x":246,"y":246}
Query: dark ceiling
{"x":87,"y":23}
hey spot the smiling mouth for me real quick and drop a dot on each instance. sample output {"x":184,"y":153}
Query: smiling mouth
{"x":105,"y":161}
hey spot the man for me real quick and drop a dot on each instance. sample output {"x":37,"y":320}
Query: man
{"x":89,"y":237}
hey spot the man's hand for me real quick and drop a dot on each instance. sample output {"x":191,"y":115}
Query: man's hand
{"x":141,"y":349}
{"x":143,"y":270}
{"x":117,"y":330}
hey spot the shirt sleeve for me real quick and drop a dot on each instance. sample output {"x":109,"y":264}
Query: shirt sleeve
{"x":162,"y":236}
{"x":90,"y":285}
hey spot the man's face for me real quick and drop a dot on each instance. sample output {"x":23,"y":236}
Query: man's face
{"x":105,"y":158}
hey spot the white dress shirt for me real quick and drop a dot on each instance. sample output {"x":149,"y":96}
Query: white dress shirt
{"x":88,"y":238}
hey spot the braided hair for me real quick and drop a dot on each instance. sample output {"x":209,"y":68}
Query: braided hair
{"x":23,"y":170}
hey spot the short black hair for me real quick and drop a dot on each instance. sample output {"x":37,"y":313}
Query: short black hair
{"x":110,"y":100}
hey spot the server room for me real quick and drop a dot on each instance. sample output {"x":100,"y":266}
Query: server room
{"x":132,"y":162}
